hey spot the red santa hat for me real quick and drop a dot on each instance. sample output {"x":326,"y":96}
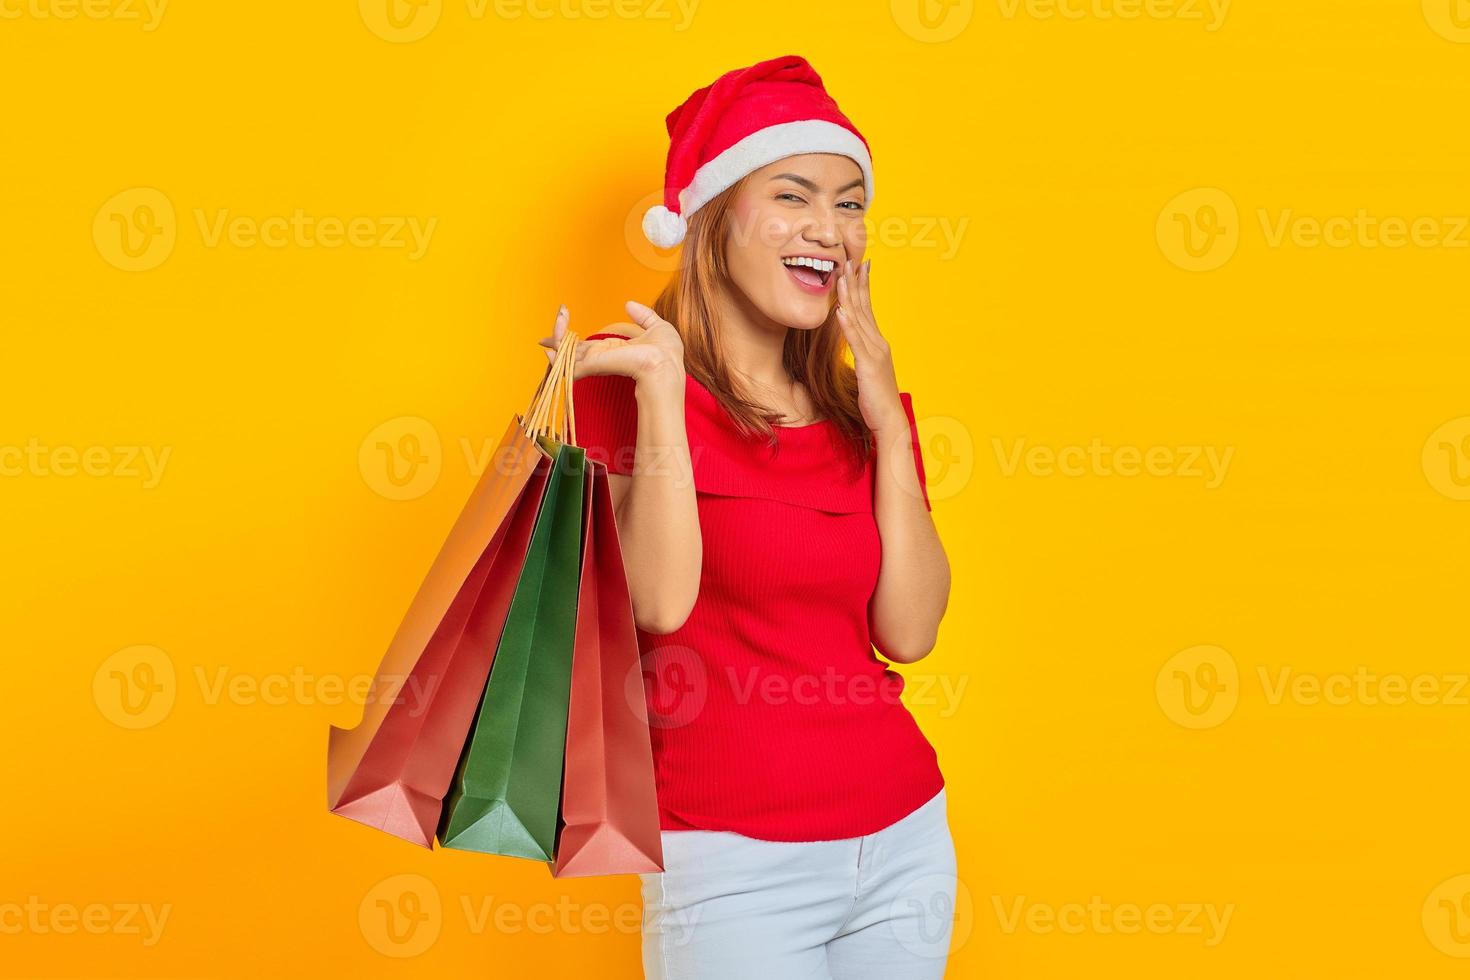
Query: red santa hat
{"x":749,"y":118}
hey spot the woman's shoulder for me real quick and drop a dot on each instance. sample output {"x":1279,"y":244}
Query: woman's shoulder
{"x":618,"y":388}
{"x":624,"y":331}
{"x":605,"y":409}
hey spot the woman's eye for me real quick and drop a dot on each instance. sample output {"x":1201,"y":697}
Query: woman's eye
{"x":851,"y":205}
{"x":787,"y":195}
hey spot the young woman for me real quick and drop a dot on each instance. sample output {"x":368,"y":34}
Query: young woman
{"x":775,"y":526}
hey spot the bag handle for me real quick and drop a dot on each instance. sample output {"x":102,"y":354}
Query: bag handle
{"x":570,"y":376}
{"x":558,"y":378}
{"x":536,"y":417}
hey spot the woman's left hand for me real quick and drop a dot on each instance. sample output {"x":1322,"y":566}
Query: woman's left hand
{"x":872,"y":359}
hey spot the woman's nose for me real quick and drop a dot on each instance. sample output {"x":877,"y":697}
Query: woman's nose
{"x":824,"y":233}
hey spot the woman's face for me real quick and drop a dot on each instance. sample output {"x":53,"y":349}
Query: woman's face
{"x":809,"y":208}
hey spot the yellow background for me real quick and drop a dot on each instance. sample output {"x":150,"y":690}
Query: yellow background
{"x":1065,"y":156}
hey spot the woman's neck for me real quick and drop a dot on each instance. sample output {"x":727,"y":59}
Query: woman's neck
{"x":754,"y":343}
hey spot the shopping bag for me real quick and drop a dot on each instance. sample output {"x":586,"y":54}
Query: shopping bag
{"x":609,"y":809}
{"x":392,"y":771}
{"x":506,"y":793}
{"x":400,"y":784}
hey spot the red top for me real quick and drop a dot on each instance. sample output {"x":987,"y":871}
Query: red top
{"x":770,"y":712}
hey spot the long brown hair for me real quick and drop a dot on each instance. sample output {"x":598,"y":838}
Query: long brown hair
{"x":813,"y":357}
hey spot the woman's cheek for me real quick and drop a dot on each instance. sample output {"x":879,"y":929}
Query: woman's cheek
{"x":755,"y":228}
{"x":746,"y":272}
{"x":777,"y":232}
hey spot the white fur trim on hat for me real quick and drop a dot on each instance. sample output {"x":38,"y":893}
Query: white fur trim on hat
{"x":766,"y":146}
{"x":763,"y":147}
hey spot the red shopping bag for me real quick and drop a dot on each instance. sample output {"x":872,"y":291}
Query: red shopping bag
{"x":609,"y":809}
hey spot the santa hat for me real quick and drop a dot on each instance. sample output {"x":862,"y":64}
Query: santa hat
{"x":749,"y":118}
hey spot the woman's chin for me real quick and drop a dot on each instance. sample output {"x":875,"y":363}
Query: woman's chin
{"x":804,"y":316}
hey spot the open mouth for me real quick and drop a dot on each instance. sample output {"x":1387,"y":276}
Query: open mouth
{"x":809,"y":271}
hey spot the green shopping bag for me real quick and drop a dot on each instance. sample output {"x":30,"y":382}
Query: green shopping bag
{"x":507,"y":791}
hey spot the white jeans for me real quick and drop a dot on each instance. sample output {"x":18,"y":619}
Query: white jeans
{"x":730,"y":907}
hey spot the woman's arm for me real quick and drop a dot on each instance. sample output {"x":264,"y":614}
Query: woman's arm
{"x":658,"y":520}
{"x":655,"y":508}
{"x":913,"y":579}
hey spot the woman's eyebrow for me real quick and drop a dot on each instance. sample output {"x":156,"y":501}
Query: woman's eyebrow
{"x":809,"y":185}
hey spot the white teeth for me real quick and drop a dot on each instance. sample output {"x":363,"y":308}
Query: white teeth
{"x":821,"y":265}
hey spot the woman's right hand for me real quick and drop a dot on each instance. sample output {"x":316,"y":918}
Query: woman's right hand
{"x":652,"y":347}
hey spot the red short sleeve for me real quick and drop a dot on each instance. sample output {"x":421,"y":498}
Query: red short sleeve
{"x":607,"y":417}
{"x":908,"y":407}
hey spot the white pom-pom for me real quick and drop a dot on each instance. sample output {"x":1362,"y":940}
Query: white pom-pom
{"x":663,"y":227}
